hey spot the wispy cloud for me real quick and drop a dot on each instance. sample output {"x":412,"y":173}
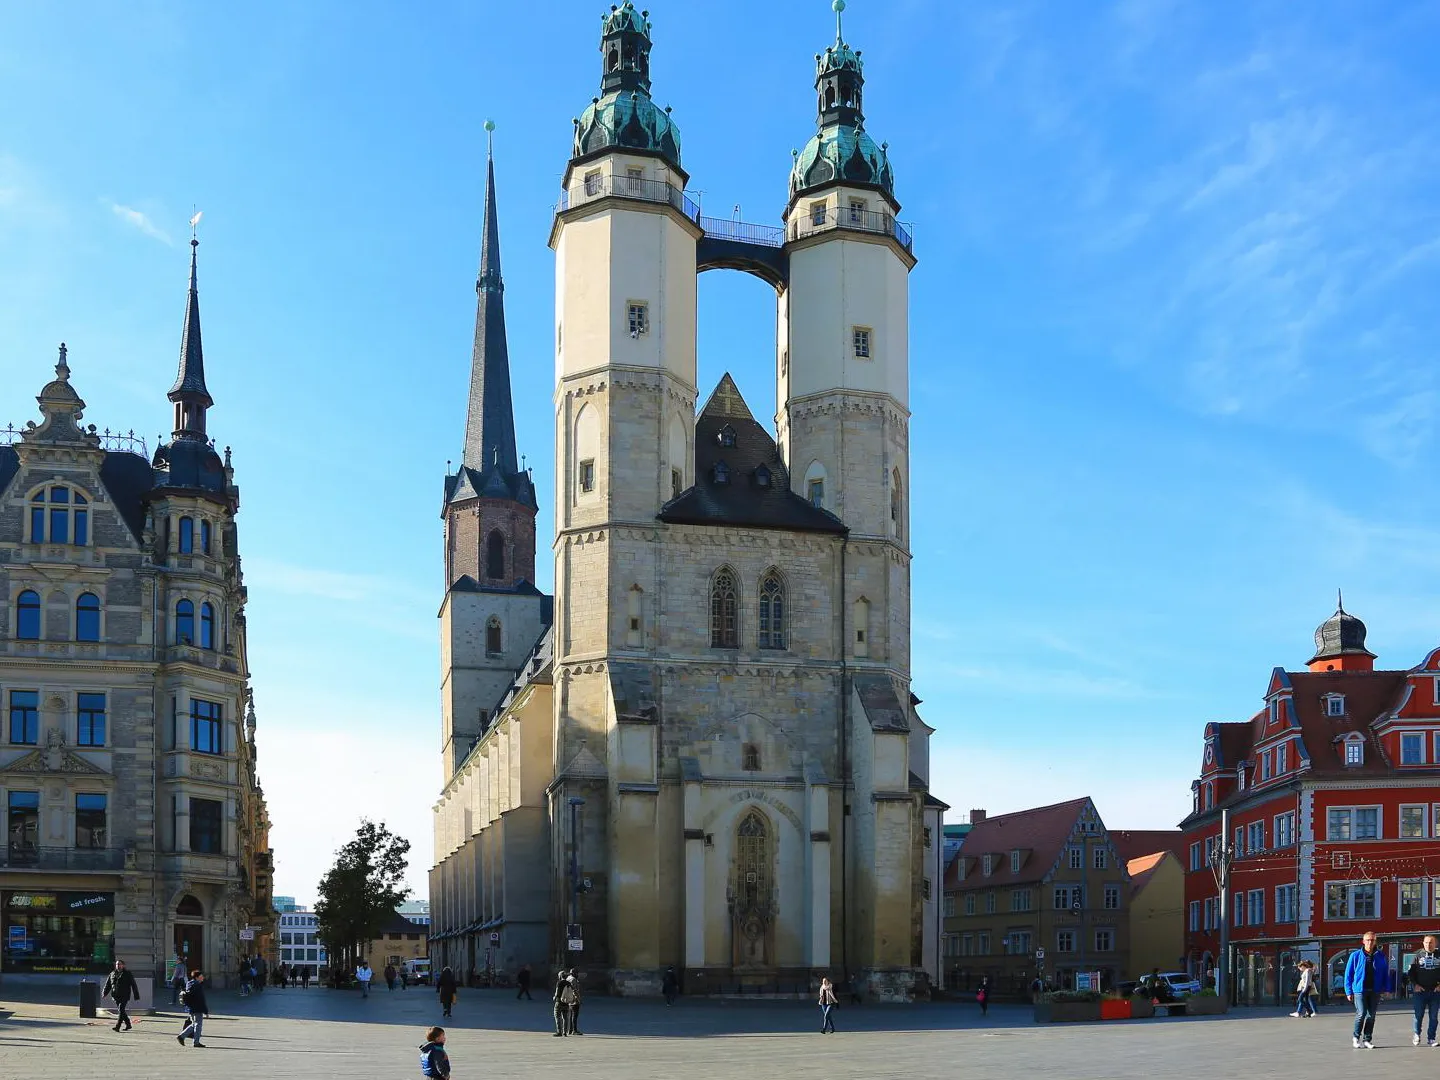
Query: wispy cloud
{"x":139,"y":220}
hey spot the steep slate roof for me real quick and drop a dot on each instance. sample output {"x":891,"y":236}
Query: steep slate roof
{"x":1369,"y":695}
{"x":1042,"y":831}
{"x":756,"y":489}
{"x":128,"y":480}
{"x":9,"y":466}
{"x":395,"y":923}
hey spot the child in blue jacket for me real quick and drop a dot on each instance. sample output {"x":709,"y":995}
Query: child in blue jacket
{"x":434,"y":1062}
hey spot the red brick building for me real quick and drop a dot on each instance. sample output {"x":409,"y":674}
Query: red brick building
{"x":1333,"y":790}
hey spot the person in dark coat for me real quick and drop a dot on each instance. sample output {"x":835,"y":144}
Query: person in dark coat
{"x":445,"y":986}
{"x":389,"y":974}
{"x":670,"y":986}
{"x":177,"y":980}
{"x":561,"y":1004}
{"x":120,"y":988}
{"x":983,"y":995}
{"x":522,"y":980}
{"x":573,"y":1003}
{"x":193,"y":998}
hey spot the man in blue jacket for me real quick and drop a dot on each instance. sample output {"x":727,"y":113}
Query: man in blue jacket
{"x":1367,"y":976}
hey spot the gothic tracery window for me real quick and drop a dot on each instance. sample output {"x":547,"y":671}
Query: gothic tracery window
{"x":772,"y":612}
{"x":724,"y":629}
{"x":752,"y":861}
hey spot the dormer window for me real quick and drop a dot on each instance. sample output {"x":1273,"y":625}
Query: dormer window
{"x":1274,"y":710}
{"x":721,"y":472}
{"x":762,"y":477}
{"x":1334,"y":704}
{"x":1282,"y":754}
{"x":1240,"y":777}
{"x":727,"y":436}
{"x":1355,"y":751}
{"x":987,"y":864}
{"x":1437,"y":691}
{"x":1015,"y":862}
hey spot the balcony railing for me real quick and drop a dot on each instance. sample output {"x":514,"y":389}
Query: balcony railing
{"x":743,"y":231}
{"x":69,"y":860}
{"x":599,"y":186}
{"x":824,"y":218}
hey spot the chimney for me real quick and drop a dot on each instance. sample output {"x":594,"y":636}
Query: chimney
{"x":977,"y":816}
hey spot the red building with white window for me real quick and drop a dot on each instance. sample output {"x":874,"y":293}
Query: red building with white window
{"x":1333,"y":790}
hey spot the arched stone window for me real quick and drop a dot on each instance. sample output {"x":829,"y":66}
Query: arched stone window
{"x":207,"y":626}
{"x":493,"y":642}
{"x":27,"y":616}
{"x":495,"y":555}
{"x":897,"y":507}
{"x":750,"y":757}
{"x":772,"y":611}
{"x":87,"y":617}
{"x":205,"y":536}
{"x":187,"y":535}
{"x":815,"y":493}
{"x":724,"y":615}
{"x":184,"y":623}
{"x":190,"y":907}
{"x":60,"y":515}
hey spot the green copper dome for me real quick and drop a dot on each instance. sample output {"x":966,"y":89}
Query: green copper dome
{"x":838,"y":57}
{"x":841,"y":155}
{"x":629,"y":119}
{"x":625,"y":19}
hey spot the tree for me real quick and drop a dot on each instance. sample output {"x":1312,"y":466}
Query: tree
{"x":360,"y":892}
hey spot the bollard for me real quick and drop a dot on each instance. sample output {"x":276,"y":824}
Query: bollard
{"x":89,"y":999}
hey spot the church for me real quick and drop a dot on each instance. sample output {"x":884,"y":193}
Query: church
{"x":702,"y":752}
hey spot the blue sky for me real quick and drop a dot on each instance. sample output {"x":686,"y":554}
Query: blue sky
{"x":1173,"y":342}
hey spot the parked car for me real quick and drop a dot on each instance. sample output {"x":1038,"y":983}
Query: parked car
{"x":1181,"y":983}
{"x":417,"y":970}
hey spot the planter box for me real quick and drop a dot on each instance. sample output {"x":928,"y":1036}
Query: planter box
{"x":1141,"y":1008}
{"x":1115,"y":1009}
{"x":1196,"y":1005}
{"x":1064,"y":1012}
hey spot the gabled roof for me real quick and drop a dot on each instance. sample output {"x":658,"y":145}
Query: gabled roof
{"x":1138,"y":843}
{"x":1141,"y":870}
{"x":751,"y":487}
{"x":1042,"y":831}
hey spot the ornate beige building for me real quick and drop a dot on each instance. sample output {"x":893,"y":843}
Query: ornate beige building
{"x":136,"y":826}
{"x":705,"y":752}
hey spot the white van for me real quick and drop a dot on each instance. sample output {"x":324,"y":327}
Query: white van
{"x":417,"y":970}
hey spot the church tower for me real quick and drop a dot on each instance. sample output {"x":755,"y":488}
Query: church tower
{"x":492,"y":614}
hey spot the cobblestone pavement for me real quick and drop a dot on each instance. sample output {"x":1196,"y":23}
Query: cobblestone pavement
{"x":293,"y":1034}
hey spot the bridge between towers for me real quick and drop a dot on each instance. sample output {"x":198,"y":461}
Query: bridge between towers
{"x":739,"y":245}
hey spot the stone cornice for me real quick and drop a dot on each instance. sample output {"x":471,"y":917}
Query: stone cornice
{"x":830,"y":402}
{"x":597,"y":379}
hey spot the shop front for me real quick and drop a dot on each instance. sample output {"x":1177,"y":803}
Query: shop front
{"x":57,"y":933}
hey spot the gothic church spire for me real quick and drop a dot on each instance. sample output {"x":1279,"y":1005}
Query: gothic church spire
{"x":189,"y":394}
{"x":490,"y":423}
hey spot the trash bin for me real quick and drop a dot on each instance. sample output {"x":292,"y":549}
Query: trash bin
{"x":89,"y":998}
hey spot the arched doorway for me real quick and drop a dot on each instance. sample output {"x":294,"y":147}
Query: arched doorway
{"x":751,"y":902}
{"x":190,"y":932}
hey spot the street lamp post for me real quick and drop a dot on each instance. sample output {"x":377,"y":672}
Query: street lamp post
{"x":1220,"y":863}
{"x":575,"y":803}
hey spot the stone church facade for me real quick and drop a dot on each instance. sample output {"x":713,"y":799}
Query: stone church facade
{"x":703,"y":752}
{"x":136,"y":825}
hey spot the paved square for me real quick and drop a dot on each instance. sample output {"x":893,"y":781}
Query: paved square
{"x":293,"y":1034}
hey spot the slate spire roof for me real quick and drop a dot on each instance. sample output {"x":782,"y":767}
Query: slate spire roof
{"x":190,"y":378}
{"x":490,"y":466}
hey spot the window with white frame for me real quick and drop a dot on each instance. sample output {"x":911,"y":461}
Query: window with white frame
{"x":1412,"y":899}
{"x":1064,"y":940}
{"x":1354,"y":752}
{"x":1286,"y":910}
{"x":990,"y":902}
{"x":1282,"y":755}
{"x":1285,"y":829}
{"x":1077,"y":857}
{"x":1334,"y":704}
{"x":1105,"y":940}
{"x":1194,"y":916}
{"x":1255,"y":907}
{"x":1014,"y":862}
{"x":592,"y":182}
{"x":1210,"y":920}
{"x":1412,"y":748}
{"x":1240,"y":777}
{"x":1350,"y":900}
{"x":1239,"y":840}
{"x":1353,"y":823}
{"x":1255,"y":839}
{"x":987,"y":863}
{"x":860,"y":337}
{"x":1019,"y":943}
{"x":1412,"y":821}
{"x":1099,"y":858}
{"x":1068,"y":896}
{"x":969,"y":903}
{"x":639,"y":318}
{"x":1211,"y":843}
{"x":1436,"y":698}
{"x":1265,"y":765}
{"x":1196,"y":860}
{"x":1112,"y":897}
{"x":1434,"y":896}
{"x":983,"y":943}
{"x":967,"y":945}
{"x":949,"y":908}
{"x":1238,"y":908}
{"x":1020,"y":900}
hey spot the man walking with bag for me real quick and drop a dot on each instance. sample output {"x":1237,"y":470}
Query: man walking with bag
{"x":120,"y":988}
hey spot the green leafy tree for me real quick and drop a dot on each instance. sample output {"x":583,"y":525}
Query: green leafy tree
{"x":360,"y":892}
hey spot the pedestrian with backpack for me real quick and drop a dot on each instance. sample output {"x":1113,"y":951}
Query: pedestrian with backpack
{"x":196,"y":1007}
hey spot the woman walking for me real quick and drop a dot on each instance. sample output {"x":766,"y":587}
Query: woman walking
{"x":983,"y":995}
{"x":193,"y":998}
{"x":445,"y":987}
{"x":1304,"y":1007}
{"x":827,"y":1007}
